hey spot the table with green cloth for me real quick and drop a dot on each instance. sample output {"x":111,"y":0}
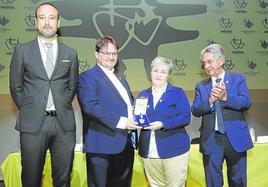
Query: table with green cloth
{"x":257,"y":171}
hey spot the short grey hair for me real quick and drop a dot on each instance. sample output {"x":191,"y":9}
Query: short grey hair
{"x":157,"y":61}
{"x":216,"y":49}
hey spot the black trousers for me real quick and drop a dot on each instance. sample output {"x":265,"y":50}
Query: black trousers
{"x":34,"y":147}
{"x":110,"y":170}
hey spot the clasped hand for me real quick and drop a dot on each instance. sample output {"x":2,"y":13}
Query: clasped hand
{"x":154,"y":126}
{"x":132,"y":125}
{"x":218,"y":92}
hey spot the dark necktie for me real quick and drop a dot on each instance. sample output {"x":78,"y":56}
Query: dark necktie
{"x":218,"y":113}
{"x":49,"y":70}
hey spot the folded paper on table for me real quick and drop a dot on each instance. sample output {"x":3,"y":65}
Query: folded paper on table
{"x":262,"y":139}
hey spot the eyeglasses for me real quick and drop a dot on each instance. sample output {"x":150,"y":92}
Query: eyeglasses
{"x":109,"y":53}
{"x":162,"y":72}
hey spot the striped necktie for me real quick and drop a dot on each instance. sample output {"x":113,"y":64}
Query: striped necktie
{"x":219,"y":114}
{"x":49,"y":70}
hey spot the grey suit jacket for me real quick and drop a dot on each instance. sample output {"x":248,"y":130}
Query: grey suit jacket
{"x":29,"y":85}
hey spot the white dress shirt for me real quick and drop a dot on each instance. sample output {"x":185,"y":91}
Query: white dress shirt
{"x":43,"y":51}
{"x":123,"y":92}
{"x":153,"y":153}
{"x":213,"y":79}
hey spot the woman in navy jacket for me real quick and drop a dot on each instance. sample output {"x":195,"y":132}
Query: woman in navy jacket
{"x":164,"y":145}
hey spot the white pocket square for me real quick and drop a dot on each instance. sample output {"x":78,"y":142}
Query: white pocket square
{"x":66,"y":60}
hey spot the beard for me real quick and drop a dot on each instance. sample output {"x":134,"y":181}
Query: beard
{"x":47,"y":34}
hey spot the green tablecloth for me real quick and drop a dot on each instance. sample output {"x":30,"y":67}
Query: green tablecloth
{"x":257,"y":169}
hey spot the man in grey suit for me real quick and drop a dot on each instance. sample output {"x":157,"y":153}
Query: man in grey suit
{"x":43,"y":75}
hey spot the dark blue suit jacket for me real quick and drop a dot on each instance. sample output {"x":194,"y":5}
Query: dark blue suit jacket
{"x":173,"y":110}
{"x":102,"y":105}
{"x":238,"y":101}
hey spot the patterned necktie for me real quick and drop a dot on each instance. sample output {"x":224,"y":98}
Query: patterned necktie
{"x":49,"y":70}
{"x":49,"y":60}
{"x":134,"y":139}
{"x":219,"y":114}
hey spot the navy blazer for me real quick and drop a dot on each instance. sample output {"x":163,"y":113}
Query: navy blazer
{"x":102,"y":106}
{"x":238,"y":101}
{"x":173,"y":110}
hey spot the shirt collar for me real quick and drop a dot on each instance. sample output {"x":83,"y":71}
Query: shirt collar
{"x":213,"y":78}
{"x":106,"y":71}
{"x":54,"y":42}
{"x":161,"y":90}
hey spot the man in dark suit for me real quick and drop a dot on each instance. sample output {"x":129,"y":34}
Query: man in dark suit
{"x":221,"y":100}
{"x":43,"y":75}
{"x":106,"y":103}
